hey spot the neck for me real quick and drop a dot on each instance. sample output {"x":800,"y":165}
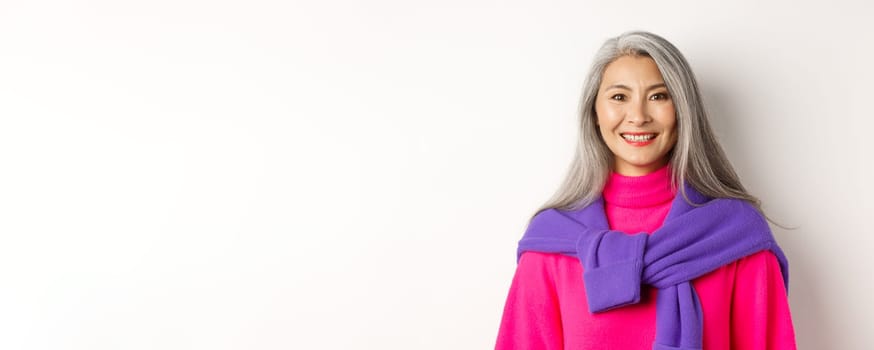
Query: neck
{"x":651,"y":189}
{"x":627,"y":169}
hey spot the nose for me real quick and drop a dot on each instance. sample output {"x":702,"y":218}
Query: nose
{"x":637,"y":114}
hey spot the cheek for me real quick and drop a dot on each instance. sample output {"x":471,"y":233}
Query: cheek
{"x":607,"y":116}
{"x":668,"y":118}
{"x":604,"y":124}
{"x":674,"y":132}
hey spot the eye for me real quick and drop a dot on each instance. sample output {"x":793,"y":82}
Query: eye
{"x":659,"y":96}
{"x":618,"y":97}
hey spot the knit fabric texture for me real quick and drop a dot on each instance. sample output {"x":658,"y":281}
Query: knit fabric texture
{"x":693,"y":240}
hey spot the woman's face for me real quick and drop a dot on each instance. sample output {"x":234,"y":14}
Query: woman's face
{"x":636,"y":115}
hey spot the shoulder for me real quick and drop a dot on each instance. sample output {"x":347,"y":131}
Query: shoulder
{"x":737,"y":212}
{"x":554,"y":269}
{"x":545,"y":260}
{"x":764,"y":261}
{"x":761,"y":265}
{"x":758,"y":266}
{"x":735,"y":205}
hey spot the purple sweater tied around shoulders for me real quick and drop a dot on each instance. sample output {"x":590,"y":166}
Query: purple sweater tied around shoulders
{"x":692,"y":241}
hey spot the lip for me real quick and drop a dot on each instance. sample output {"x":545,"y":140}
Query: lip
{"x":639,"y":143}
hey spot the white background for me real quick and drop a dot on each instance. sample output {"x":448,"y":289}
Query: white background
{"x":356,"y":175}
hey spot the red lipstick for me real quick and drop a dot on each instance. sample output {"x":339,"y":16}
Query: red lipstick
{"x":638,"y":139}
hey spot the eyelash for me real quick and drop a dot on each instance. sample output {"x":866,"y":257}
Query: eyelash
{"x":664,"y":96}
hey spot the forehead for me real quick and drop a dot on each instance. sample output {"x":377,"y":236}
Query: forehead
{"x":632,"y":70}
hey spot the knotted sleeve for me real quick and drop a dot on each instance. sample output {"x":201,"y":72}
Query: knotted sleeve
{"x":612,"y":264}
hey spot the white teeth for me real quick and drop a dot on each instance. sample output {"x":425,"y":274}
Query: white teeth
{"x":638,"y":138}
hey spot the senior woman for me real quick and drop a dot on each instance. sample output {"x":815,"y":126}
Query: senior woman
{"x":651,"y":242}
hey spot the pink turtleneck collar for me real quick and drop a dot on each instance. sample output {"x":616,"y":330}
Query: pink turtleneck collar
{"x":653,"y":189}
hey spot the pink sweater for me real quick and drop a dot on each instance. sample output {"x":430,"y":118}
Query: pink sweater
{"x":744,"y":302}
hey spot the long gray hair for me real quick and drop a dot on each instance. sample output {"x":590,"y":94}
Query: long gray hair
{"x":696,"y":159}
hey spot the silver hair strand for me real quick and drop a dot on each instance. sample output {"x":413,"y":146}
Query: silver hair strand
{"x":696,"y":159}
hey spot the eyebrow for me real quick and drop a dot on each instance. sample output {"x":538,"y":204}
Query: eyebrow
{"x":620,"y":86}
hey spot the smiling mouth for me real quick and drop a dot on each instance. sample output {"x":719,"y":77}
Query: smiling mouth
{"x":638,"y":137}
